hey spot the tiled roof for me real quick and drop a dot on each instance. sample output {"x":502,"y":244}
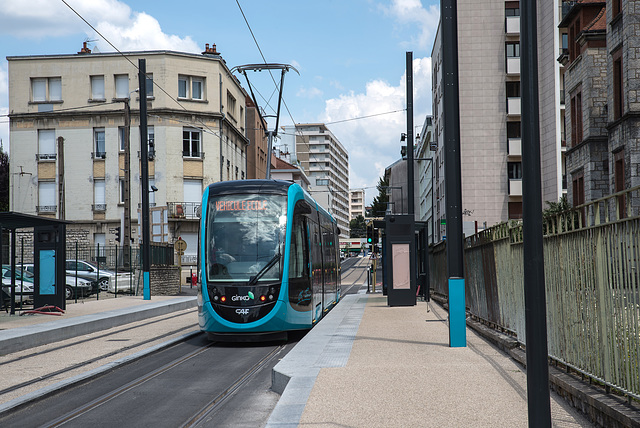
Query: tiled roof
{"x":599,"y":23}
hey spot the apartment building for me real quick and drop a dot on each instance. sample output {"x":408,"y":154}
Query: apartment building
{"x":425,"y":177}
{"x":490,"y":112}
{"x":326,"y":162}
{"x":68,"y":135}
{"x":356,"y":203}
{"x":601,"y":84}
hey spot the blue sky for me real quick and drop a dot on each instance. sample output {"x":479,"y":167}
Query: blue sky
{"x":350,"y":55}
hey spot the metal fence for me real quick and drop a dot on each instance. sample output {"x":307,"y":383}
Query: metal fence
{"x":591,"y":257}
{"x":118,"y":258}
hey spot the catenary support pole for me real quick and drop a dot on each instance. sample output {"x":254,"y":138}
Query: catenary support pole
{"x":534,"y":286}
{"x":410,"y":206}
{"x":144,"y":170}
{"x":453,"y":178}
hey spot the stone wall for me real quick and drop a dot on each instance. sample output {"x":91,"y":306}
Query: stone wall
{"x":164,"y":281}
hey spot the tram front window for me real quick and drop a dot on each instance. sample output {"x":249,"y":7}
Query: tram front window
{"x":245,"y":236}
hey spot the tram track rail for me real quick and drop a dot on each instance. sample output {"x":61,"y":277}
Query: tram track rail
{"x":113,"y":331}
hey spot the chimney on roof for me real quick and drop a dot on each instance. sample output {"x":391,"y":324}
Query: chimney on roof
{"x":210,"y":50}
{"x":85,"y":49}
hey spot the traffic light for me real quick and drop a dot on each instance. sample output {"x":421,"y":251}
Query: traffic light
{"x":118,"y":234}
{"x":369,"y":234}
{"x":376,"y":239}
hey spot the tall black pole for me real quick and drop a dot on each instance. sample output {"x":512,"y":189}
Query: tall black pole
{"x":144,"y":172}
{"x":126,"y":227}
{"x":534,"y":286}
{"x":410,"y":133}
{"x":452,"y":173}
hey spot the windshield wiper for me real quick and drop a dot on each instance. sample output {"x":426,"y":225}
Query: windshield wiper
{"x":265,"y":268}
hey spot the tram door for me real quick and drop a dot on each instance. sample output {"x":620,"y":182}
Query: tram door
{"x":317,"y":284}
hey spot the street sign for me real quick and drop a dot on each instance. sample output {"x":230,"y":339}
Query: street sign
{"x":180,"y":245}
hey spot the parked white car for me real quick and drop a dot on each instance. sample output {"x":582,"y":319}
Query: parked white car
{"x":124,"y":284}
{"x":89,"y":270}
{"x":24,"y":284}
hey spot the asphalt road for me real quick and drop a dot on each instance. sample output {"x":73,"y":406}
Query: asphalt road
{"x":194,"y":383}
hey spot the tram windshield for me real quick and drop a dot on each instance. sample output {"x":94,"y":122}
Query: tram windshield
{"x":245,"y":237}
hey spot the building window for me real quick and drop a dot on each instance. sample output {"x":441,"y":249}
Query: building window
{"x":513,"y":130}
{"x":99,"y":196}
{"x":322,"y":182}
{"x":576,"y":118}
{"x":121,"y":138}
{"x":151,"y":139}
{"x":513,"y":89}
{"x":231,"y":104}
{"x":46,"y":89}
{"x":619,"y":181}
{"x":46,"y":144}
{"x":149,"y":85}
{"x":152,"y":194}
{"x":46,"y":196}
{"x":514,"y":170}
{"x":99,"y":143}
{"x":122,"y":86}
{"x":190,"y":87}
{"x":511,"y":9}
{"x":513,"y":49}
{"x":191,"y":143}
{"x":578,"y":192}
{"x":121,"y":192}
{"x":618,"y":103}
{"x":97,"y":88}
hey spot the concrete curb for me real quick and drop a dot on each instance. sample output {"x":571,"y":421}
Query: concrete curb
{"x":21,"y":338}
{"x":91,"y":374}
{"x":328,"y":344}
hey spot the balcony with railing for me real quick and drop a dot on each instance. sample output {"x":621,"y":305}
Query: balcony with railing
{"x":515,"y":147}
{"x":99,"y":208}
{"x":513,"y":65}
{"x":45,"y":157}
{"x":513,"y":25}
{"x":515,"y":187}
{"x":513,"y":106}
{"x":183,"y":210}
{"x":44,"y":209}
{"x":98,"y":155}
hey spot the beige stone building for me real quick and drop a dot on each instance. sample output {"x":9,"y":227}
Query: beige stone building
{"x":356,"y":203}
{"x":490,"y":111}
{"x":67,"y":136}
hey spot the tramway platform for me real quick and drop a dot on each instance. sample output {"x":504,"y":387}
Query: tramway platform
{"x":370,"y":365}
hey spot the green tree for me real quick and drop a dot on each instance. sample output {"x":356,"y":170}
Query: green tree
{"x":357,"y":228}
{"x":379,"y":205}
{"x":4,"y":180}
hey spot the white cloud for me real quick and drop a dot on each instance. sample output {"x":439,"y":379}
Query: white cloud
{"x":126,"y":29}
{"x":310,"y":93}
{"x":374,"y":143}
{"x":46,"y":18}
{"x":4,"y":101}
{"x":142,"y":32}
{"x":412,"y":12}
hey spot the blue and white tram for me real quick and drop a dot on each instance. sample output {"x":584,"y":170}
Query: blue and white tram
{"x":268,"y":260}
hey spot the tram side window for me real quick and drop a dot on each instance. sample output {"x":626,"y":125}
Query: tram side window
{"x":297,"y":262}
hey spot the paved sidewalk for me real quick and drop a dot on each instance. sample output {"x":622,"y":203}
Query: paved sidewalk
{"x":399,"y":371}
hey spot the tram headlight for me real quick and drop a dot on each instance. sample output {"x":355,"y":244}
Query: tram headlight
{"x":223,"y":299}
{"x":270,"y":296}
{"x":263,"y":298}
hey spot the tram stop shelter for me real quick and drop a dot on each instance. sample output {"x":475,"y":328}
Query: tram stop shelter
{"x":49,"y":256}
